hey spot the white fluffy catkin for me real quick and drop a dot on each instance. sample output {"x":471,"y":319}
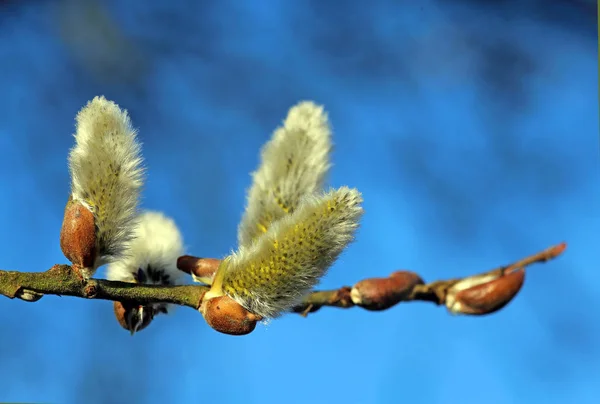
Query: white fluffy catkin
{"x":275,"y":272}
{"x":151,"y":256}
{"x":294,"y":163}
{"x":107,"y":174}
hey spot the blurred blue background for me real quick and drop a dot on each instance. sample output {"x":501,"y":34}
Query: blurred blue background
{"x":470,"y":127}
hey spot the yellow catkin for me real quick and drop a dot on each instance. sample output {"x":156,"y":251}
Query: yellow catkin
{"x":272,"y":274}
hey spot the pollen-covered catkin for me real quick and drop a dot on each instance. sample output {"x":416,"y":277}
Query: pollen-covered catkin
{"x":272,"y":274}
{"x":107,"y":175}
{"x":293,"y":164}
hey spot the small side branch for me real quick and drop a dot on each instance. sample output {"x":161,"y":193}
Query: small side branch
{"x":479,"y":294}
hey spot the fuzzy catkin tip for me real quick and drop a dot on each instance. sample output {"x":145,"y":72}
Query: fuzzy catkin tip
{"x":294,"y":163}
{"x":283,"y":265}
{"x":107,"y":173}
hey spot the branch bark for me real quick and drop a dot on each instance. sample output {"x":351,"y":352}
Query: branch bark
{"x":62,"y":280}
{"x":483,"y":293}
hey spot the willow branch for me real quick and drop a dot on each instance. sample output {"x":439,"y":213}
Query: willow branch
{"x":483,"y":293}
{"x":62,"y":280}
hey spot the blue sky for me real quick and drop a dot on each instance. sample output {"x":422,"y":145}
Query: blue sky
{"x":472,"y":133}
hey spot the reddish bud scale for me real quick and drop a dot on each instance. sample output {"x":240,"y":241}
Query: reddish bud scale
{"x":204,"y":268}
{"x":382,"y":293}
{"x":227,"y":316}
{"x":121,"y":313}
{"x":78,"y":235}
{"x":488,"y":297}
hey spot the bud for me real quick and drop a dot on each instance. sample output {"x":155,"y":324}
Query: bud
{"x":227,"y":316}
{"x":120,"y":314}
{"x":382,"y":293}
{"x":202,"y":269}
{"x":484,"y":294}
{"x":28,"y":295}
{"x":126,"y":313}
{"x":78,"y":235}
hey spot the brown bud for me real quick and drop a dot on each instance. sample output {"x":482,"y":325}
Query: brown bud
{"x":203,"y":269}
{"x":78,"y":235}
{"x":122,"y":312}
{"x":382,"y":293}
{"x":484,"y":294}
{"x":28,"y":295}
{"x":227,"y":316}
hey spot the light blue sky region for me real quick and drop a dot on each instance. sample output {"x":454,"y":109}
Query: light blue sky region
{"x":472,"y":133}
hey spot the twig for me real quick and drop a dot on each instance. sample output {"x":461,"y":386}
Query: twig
{"x":478,"y":294}
{"x":440,"y":292}
{"x":61,"y":280}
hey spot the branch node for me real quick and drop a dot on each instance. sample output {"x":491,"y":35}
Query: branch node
{"x":342,"y":297}
{"x":90,"y":290}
